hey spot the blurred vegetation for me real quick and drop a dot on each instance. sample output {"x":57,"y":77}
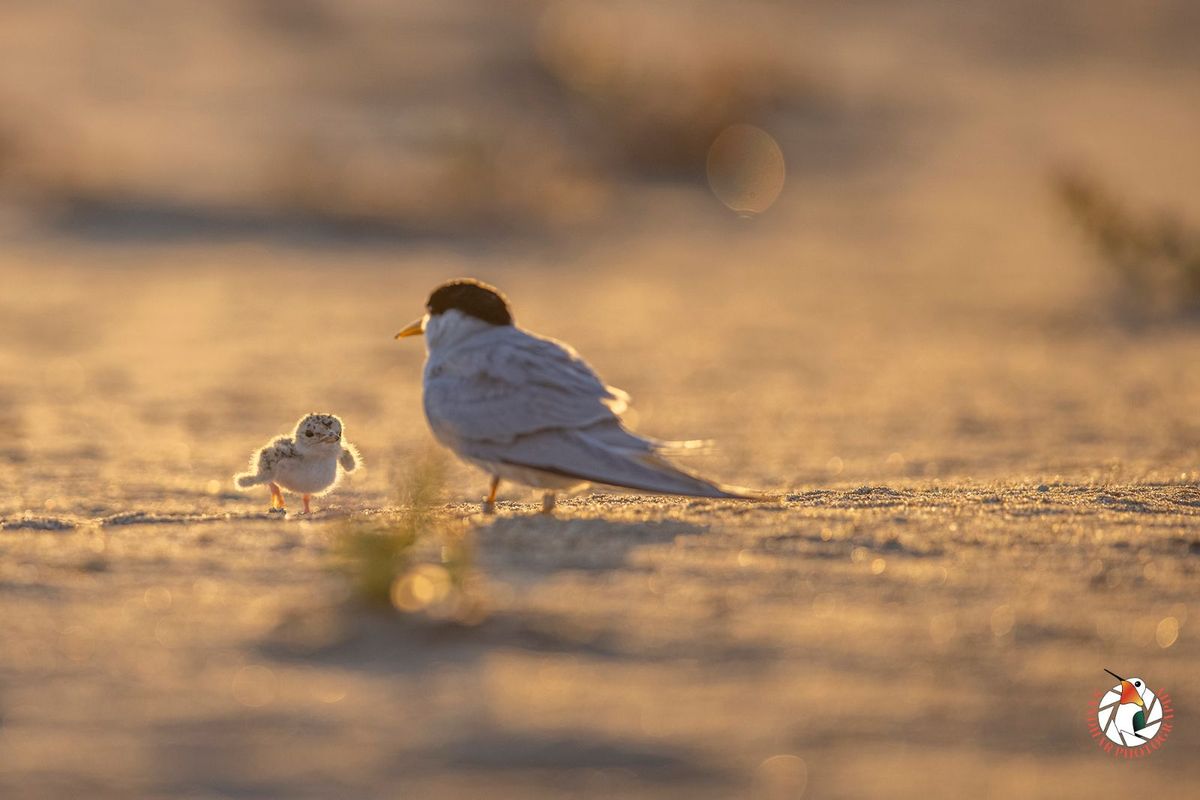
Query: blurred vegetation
{"x":656,"y":83}
{"x":1154,"y":256}
{"x":238,"y":117}
{"x":420,"y":561}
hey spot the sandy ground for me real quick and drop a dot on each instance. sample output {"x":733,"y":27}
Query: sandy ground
{"x":970,"y":528}
{"x":986,"y":478}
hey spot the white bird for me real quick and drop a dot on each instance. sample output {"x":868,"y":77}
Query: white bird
{"x":528,"y":409}
{"x":309,"y":462}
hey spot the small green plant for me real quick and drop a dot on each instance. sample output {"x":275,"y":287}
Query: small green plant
{"x":1156,"y":257}
{"x":419,"y":561}
{"x":373,"y":554}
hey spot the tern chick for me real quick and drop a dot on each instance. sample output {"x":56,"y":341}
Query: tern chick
{"x":528,"y":409}
{"x":309,"y":462}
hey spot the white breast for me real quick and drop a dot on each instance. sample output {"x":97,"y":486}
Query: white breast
{"x":307,"y":475}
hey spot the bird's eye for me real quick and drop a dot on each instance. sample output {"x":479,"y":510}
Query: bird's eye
{"x":1137,"y":683}
{"x":308,"y":433}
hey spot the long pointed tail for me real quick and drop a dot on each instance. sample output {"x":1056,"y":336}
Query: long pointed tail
{"x":643,"y":472}
{"x":672,"y":479}
{"x":636,"y":462}
{"x":608,"y":454}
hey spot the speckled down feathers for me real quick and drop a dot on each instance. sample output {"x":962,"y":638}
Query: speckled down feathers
{"x":309,"y":465}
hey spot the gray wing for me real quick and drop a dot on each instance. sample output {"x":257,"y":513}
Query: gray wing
{"x":512,"y":384}
{"x":602,"y":453}
{"x":520,"y":399}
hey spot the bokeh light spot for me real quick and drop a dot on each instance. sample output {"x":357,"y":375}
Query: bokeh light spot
{"x":1002,"y":620}
{"x":157,"y":598}
{"x":254,"y":686}
{"x":746,"y":169}
{"x":782,"y":776}
{"x":421,"y":587}
{"x":1167,"y":632}
{"x":75,"y":644}
{"x":328,"y":689}
{"x":824,"y":605}
{"x":942,"y":629}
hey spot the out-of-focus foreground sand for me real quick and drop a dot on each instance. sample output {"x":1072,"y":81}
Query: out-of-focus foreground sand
{"x":987,"y":481}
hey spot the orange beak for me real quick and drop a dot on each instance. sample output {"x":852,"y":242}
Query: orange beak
{"x":1130,"y":695}
{"x":414,"y":328}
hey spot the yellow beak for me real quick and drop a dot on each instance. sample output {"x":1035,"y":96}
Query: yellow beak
{"x":414,"y":328}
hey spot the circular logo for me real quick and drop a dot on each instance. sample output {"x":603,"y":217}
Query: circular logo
{"x":1130,"y":719}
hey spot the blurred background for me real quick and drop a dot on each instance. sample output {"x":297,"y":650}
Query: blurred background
{"x":254,"y":119}
{"x":920,"y":244}
{"x":922,"y":239}
{"x":897,"y":227}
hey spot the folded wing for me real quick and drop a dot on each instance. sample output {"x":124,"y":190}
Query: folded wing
{"x":602,"y":453}
{"x":512,"y":384}
{"x":527,"y":401}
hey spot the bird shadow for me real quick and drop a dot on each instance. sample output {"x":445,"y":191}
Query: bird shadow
{"x":379,"y":641}
{"x":498,"y":749}
{"x":539,"y":544}
{"x":225,"y":754}
{"x":517,"y":551}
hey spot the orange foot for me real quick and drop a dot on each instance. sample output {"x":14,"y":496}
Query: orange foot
{"x":276,"y":497}
{"x":307,"y":510}
{"x":489,"y":505}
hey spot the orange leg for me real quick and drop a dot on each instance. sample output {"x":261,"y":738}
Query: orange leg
{"x":276,"y":496}
{"x":489,"y":505}
{"x":307,"y":510}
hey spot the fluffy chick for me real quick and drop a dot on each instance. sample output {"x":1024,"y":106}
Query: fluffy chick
{"x":309,"y":462}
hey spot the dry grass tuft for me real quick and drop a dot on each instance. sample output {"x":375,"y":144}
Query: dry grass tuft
{"x":1155,"y":257}
{"x":373,"y":554}
{"x":419,"y":562}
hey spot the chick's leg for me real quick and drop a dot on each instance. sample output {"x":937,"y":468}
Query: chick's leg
{"x":305,"y":498}
{"x":549,"y":500}
{"x":489,"y":505}
{"x":276,"y":496}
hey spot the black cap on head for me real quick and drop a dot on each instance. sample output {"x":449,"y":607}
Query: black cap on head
{"x":473,"y":298}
